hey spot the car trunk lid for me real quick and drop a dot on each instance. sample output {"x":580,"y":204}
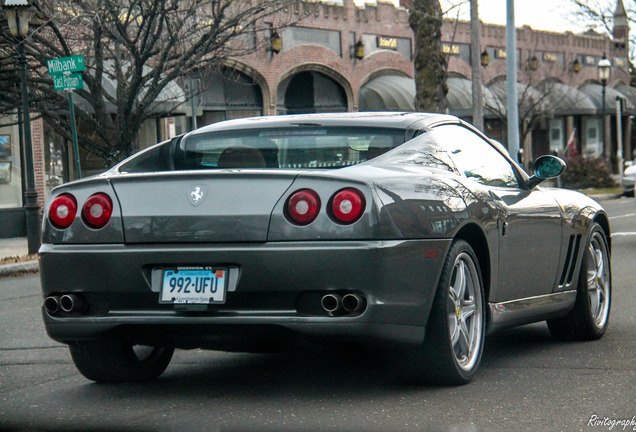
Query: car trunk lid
{"x":228,"y":206}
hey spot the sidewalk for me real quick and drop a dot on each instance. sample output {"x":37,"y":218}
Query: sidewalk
{"x":15,"y":247}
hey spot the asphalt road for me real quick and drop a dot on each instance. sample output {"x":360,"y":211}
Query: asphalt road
{"x":527,"y":382}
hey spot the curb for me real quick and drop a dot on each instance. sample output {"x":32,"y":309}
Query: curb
{"x":18,"y":268}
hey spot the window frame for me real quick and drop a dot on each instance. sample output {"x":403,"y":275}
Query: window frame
{"x":520,"y":174}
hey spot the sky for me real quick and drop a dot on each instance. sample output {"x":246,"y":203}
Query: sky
{"x":552,"y":15}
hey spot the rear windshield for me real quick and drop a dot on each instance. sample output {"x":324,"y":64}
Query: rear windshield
{"x":298,"y":147}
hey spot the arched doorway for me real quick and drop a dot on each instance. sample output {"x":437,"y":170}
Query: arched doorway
{"x":223,"y":94}
{"x":310,"y":92}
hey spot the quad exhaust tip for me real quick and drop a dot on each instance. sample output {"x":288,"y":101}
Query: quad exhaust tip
{"x":352,"y":303}
{"x":334,"y":303}
{"x":331,"y":303}
{"x":72,"y":303}
{"x":69,"y":303}
{"x":52,"y":304}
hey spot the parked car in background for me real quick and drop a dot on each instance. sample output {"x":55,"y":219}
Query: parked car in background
{"x":402,"y":231}
{"x":629,"y":178}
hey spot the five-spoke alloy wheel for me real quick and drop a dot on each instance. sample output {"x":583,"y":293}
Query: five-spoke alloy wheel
{"x":589,"y":318}
{"x":454,"y":341}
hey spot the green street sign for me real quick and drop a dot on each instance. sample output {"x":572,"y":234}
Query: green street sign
{"x":63,"y":65}
{"x":69,"y":81}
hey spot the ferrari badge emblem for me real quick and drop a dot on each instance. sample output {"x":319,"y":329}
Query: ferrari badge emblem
{"x":197,"y":193}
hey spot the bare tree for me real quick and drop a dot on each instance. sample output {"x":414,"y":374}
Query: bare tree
{"x":135,"y":51}
{"x":598,"y":16}
{"x":595,"y":14}
{"x":540,"y":99}
{"x":425,"y":18}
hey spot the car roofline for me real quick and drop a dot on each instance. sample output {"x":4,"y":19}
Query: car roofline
{"x":397,"y":120}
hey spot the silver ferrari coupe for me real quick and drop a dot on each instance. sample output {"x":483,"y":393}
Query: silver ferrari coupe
{"x":408,"y":232}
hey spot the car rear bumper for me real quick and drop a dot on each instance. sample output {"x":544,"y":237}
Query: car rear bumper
{"x":275,"y":297}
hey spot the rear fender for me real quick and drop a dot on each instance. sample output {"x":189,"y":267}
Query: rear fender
{"x":79,"y":231}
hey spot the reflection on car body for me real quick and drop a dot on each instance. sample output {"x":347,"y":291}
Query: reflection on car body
{"x":402,"y":231}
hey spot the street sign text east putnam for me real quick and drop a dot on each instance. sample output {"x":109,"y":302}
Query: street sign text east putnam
{"x":70,"y":81}
{"x":66,"y":65}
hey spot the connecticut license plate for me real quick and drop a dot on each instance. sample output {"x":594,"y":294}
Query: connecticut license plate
{"x":194,"y":285}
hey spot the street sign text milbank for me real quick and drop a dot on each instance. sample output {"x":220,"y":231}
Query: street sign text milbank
{"x":66,"y":65}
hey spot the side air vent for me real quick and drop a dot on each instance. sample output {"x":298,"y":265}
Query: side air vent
{"x":570,"y":261}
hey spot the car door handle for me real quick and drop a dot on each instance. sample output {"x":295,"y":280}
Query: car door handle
{"x":504,"y":228}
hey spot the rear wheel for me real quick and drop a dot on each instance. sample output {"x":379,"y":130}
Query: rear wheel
{"x":119,"y":361}
{"x":589,"y":318}
{"x":454,"y":340}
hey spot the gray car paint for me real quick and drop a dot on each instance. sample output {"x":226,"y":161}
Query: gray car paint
{"x":413,"y":206}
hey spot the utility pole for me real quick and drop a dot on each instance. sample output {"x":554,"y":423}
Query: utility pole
{"x":511,"y":81}
{"x":475,"y":65}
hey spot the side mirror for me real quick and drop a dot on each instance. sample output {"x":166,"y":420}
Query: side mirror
{"x":546,"y":167}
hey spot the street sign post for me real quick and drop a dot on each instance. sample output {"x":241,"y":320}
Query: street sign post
{"x":66,"y":73}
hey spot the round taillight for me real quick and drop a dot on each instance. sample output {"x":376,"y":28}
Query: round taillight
{"x":303,"y":207}
{"x":97,"y":210}
{"x":347,"y":205}
{"x":62,"y":211}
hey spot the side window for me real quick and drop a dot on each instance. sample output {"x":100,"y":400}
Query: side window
{"x":475,"y":157}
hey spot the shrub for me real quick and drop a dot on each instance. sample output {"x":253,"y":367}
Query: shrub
{"x":586,"y":173}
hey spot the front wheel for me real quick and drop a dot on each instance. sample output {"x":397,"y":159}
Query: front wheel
{"x":589,"y":318}
{"x":455,"y":332}
{"x":118,"y":361}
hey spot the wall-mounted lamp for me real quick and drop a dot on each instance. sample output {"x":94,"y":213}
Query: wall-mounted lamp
{"x":484,"y":58}
{"x":358,"y":50}
{"x":275,"y":42}
{"x":576,"y":66}
{"x":533,"y":63}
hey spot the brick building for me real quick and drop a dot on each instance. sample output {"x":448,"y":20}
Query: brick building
{"x":340,"y":57}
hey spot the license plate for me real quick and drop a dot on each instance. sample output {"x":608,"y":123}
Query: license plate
{"x":194,"y":285}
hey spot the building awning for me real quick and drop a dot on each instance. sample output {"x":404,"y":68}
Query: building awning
{"x":529,"y":99}
{"x":565,"y":100}
{"x":397,"y":93}
{"x":229,"y":89}
{"x":595,"y":93}
{"x":460,"y":99}
{"x":388,"y":93}
{"x":630,"y":94}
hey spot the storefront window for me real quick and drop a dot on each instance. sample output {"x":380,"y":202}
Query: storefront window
{"x":592,"y":131}
{"x":10,"y":167}
{"x":556,"y":135}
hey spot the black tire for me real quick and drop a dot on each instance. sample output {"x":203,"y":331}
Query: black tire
{"x":453,"y":346}
{"x":113,"y":362}
{"x":589,"y":318}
